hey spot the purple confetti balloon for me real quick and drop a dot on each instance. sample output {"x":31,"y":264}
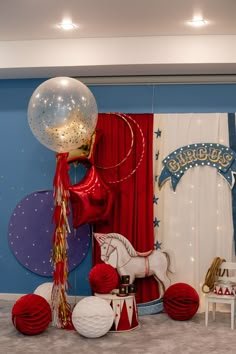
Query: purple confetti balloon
{"x":30,"y":234}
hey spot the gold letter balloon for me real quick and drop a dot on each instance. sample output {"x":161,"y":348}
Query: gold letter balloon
{"x":62,"y":114}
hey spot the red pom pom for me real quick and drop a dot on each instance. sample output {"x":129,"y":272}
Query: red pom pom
{"x":103,"y":278}
{"x":181,"y":301}
{"x":31,"y":314}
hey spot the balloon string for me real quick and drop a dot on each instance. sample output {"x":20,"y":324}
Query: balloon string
{"x":75,"y":174}
{"x":75,"y":278}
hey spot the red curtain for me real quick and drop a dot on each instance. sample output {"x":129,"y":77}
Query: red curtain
{"x":126,"y":144}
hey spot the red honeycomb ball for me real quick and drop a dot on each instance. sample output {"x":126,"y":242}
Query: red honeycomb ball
{"x":181,"y":301}
{"x":103,"y":278}
{"x":31,"y":314}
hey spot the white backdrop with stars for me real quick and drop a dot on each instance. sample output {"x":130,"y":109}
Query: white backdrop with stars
{"x":195,"y":221}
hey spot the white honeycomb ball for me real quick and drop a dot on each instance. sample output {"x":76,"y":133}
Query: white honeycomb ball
{"x":92,"y":317}
{"x":45,"y":290}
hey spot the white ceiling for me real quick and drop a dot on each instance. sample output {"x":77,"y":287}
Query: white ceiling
{"x":132,"y":37}
{"x":33,"y":20}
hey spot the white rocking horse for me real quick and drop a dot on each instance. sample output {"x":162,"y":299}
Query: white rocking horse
{"x":133,"y":263}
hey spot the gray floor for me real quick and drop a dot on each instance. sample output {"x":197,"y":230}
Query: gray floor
{"x":157,"y":334}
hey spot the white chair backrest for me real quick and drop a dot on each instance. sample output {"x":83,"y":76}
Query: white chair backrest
{"x":230,"y":272}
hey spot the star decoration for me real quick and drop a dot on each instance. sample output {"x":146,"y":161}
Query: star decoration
{"x":155,"y":199}
{"x":157,"y":155}
{"x":91,"y":200}
{"x":158,"y":133}
{"x":157,"y":245}
{"x":156,"y":222}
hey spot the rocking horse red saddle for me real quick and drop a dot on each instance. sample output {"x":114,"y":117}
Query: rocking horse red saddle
{"x":144,"y":254}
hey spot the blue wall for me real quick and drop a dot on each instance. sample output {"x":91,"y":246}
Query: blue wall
{"x":27,"y":166}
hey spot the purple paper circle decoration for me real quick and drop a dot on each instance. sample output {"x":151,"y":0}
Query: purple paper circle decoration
{"x":30,"y":234}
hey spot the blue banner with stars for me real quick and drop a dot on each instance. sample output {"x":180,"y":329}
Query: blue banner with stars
{"x":203,"y":154}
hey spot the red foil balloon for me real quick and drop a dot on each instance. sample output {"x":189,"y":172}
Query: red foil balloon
{"x":91,"y":199}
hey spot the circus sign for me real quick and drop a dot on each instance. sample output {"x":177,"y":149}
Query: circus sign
{"x":204,"y":154}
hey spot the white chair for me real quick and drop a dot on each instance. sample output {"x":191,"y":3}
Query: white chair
{"x":215,"y":298}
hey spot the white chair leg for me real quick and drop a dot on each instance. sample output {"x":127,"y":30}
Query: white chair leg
{"x":232,"y":315}
{"x":214,"y":311}
{"x":206,"y":312}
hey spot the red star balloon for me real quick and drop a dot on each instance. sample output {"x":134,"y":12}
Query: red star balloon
{"x":91,"y":199}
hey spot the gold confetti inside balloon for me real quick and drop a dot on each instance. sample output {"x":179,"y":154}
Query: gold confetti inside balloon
{"x":62,"y":114}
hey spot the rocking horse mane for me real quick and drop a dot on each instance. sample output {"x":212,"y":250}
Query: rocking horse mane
{"x":125,"y":242}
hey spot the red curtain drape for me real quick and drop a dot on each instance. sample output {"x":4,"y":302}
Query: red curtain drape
{"x":131,"y":179}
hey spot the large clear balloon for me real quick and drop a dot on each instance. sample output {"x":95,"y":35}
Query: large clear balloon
{"x":62,"y":114}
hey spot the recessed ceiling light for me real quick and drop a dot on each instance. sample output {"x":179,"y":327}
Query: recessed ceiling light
{"x":197,"y":22}
{"x":67,"y":25}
